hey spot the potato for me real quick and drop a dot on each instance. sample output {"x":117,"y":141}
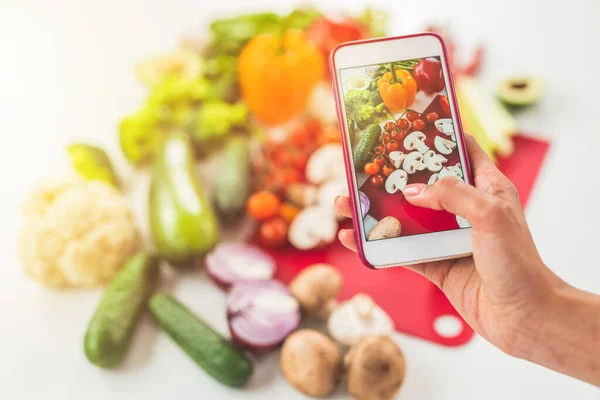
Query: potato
{"x":388,"y":227}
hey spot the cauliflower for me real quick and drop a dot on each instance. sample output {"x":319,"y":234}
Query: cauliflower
{"x":76,"y":233}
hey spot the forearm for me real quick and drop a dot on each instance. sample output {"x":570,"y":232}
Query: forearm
{"x":566,"y":336}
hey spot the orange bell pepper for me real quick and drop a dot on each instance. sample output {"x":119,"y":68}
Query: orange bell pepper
{"x":277,"y":74}
{"x":397,"y":88}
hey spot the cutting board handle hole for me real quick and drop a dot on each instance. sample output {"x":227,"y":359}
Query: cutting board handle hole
{"x":448,"y":326}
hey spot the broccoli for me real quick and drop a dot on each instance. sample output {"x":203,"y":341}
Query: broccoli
{"x":375,"y":97}
{"x":355,"y":99}
{"x":382,"y":111}
{"x":365,"y":115}
{"x":217,"y":118}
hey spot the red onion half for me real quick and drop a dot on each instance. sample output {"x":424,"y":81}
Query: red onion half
{"x":232,"y":262}
{"x":261,"y":314}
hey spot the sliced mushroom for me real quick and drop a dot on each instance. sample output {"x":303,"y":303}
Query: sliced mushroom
{"x":396,"y":181}
{"x":326,"y":163}
{"x":413,"y":163}
{"x":388,"y":227}
{"x":434,"y":161}
{"x":445,"y":126}
{"x":450,"y":171}
{"x":432,"y":179}
{"x":416,"y":141}
{"x":357,"y":318}
{"x":444,"y":146}
{"x":314,"y":226}
{"x":396,"y":157}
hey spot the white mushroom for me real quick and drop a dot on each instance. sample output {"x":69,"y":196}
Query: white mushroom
{"x":450,"y":171}
{"x":357,"y":318}
{"x":434,"y":161}
{"x":314,"y":226}
{"x":432,"y":179}
{"x":329,"y":191}
{"x":396,"y":157}
{"x":301,"y":194}
{"x":462,"y":222}
{"x":326,"y":163}
{"x":388,"y":227}
{"x":444,"y":146}
{"x":413,"y":162}
{"x":396,"y":181}
{"x":416,"y":141}
{"x":445,"y":126}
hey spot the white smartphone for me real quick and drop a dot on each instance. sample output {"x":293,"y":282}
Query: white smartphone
{"x":400,"y":124}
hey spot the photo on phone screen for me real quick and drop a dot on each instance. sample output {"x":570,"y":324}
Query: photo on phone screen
{"x":402,"y":132}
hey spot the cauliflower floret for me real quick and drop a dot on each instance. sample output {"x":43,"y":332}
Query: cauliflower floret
{"x":76,"y":233}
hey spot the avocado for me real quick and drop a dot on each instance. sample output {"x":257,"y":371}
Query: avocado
{"x":519,"y":92}
{"x":357,"y":83}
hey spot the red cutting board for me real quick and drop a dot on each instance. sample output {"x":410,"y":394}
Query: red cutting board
{"x":412,"y":301}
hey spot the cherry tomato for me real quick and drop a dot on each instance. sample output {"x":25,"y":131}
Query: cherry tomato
{"x":418,"y":124}
{"x":288,"y":212}
{"x":377,"y":180}
{"x":298,"y":159}
{"x":402,"y":124}
{"x":411,"y":115}
{"x":445,"y":105}
{"x":273,"y":233}
{"x":392,"y":146}
{"x":432,"y":117}
{"x":379,"y":150}
{"x":371,"y":168}
{"x":387,"y":170}
{"x":386,"y":138}
{"x":389,"y":126}
{"x":290,"y":175}
{"x":379,"y":160}
{"x":397,"y":135}
{"x":263,"y":205}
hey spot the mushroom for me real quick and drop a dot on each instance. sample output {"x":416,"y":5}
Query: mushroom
{"x":413,"y":162}
{"x":314,"y":226}
{"x":388,"y":227}
{"x":432,"y":179}
{"x":356,"y":318}
{"x":462,"y":222}
{"x":301,"y":194}
{"x":310,"y":362}
{"x":434,"y":161}
{"x":396,"y":181}
{"x":326,"y":163}
{"x":455,"y":170}
{"x":396,"y":157}
{"x":416,"y":141}
{"x":316,"y":287}
{"x":329,"y":191}
{"x":375,"y":369}
{"x":444,"y":146}
{"x":445,"y":126}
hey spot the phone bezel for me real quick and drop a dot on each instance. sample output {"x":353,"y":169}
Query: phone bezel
{"x":404,"y":250}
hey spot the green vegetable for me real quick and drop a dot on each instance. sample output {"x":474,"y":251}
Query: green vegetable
{"x":182,"y":221}
{"x":109,"y":333}
{"x":203,"y":344}
{"x":216,"y":119}
{"x":233,"y":186}
{"x":230,"y":35}
{"x":301,"y":18}
{"x":375,"y":97}
{"x":92,"y":163}
{"x":365,"y":115}
{"x":221,"y":71}
{"x":139,"y":135}
{"x":363,"y":152}
{"x":351,"y":130}
{"x":375,"y":21}
{"x":354,"y":99}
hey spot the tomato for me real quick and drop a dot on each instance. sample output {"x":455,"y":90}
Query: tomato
{"x":389,"y":126}
{"x":411,"y":115}
{"x":386,"y":138}
{"x":379,"y":160}
{"x":263,"y":205}
{"x":418,"y":124}
{"x":290,"y":175}
{"x":397,"y":135}
{"x":402,"y":124}
{"x":371,"y":168}
{"x":329,"y":134}
{"x":288,"y":212}
{"x":298,"y":159}
{"x":387,"y":170}
{"x":392,"y":146}
{"x":432,"y":117}
{"x":445,"y":105}
{"x":379,"y":150}
{"x":377,"y":180}
{"x":273,"y":233}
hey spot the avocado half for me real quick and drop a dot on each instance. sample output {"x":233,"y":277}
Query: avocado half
{"x":357,"y":83}
{"x":519,"y":92}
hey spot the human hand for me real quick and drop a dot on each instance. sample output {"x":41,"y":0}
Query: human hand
{"x":504,"y":288}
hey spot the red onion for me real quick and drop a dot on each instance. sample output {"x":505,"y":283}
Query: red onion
{"x":232,"y":262}
{"x":261,"y":314}
{"x":365,"y":204}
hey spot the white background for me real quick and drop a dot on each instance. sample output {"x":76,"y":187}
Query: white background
{"x":66,"y":73}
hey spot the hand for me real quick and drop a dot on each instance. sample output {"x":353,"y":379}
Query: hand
{"x":504,"y":287}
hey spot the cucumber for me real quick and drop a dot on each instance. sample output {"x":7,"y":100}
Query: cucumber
{"x":109,"y":332}
{"x":203,"y":344}
{"x":233,"y":186}
{"x":363,"y":152}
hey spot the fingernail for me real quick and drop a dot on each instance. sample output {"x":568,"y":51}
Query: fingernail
{"x":413,"y":189}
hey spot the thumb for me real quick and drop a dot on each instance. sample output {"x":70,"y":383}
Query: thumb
{"x":450,"y":194}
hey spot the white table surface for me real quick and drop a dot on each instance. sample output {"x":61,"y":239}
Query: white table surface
{"x":66,"y":74}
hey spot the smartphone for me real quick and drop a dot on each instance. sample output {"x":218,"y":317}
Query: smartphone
{"x":400,"y":124}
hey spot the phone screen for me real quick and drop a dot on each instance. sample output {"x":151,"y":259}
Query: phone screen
{"x":402,"y":132}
